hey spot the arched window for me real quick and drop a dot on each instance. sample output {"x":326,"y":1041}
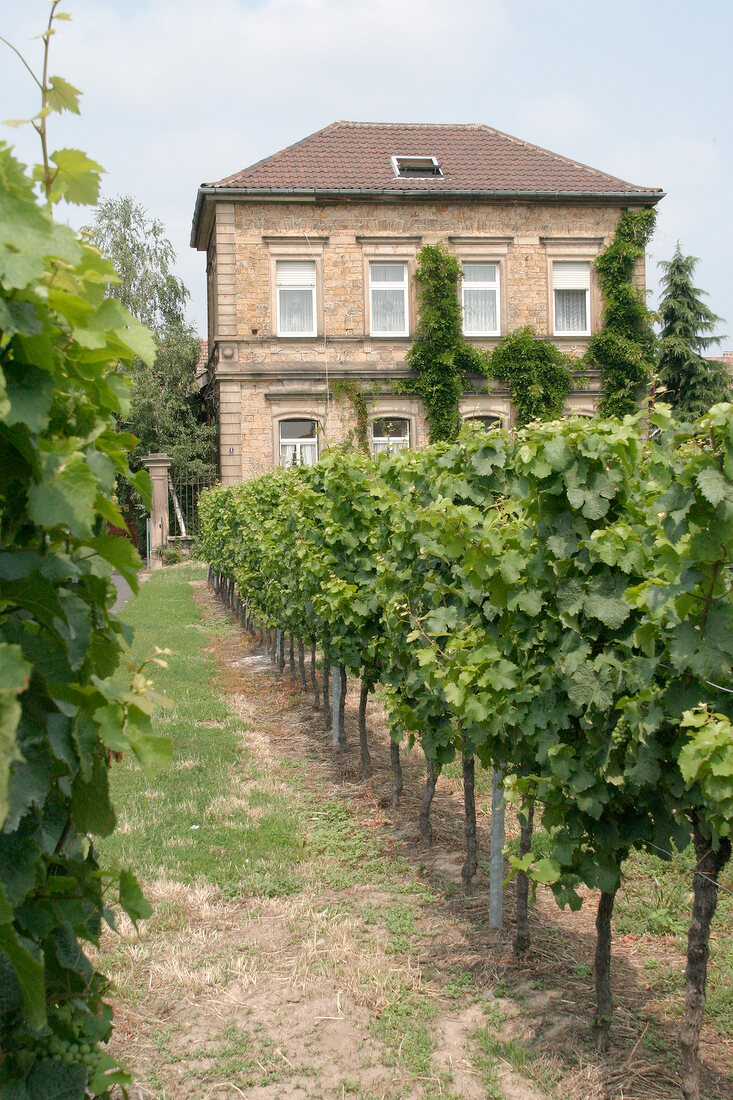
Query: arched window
{"x":488,"y":422}
{"x":390,"y":434}
{"x":298,"y":442}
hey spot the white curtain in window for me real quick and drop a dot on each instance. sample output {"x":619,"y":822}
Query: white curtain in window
{"x":480,"y":287}
{"x":296,"y":289}
{"x":571,"y":282}
{"x":390,"y":435}
{"x":296,"y":310}
{"x":571,"y":312}
{"x":298,"y":443}
{"x":388,"y":298}
{"x":388,"y":310}
{"x":479,"y":310}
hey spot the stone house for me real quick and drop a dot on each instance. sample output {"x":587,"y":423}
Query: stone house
{"x":311,"y":255}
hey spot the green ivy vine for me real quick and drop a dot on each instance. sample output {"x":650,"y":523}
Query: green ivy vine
{"x":440,"y":358}
{"x":624,"y":347}
{"x":356,"y":395}
{"x":537,"y":373}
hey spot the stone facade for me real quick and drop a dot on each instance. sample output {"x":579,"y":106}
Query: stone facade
{"x":261,"y":379}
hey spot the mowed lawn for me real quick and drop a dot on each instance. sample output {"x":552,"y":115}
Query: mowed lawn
{"x":190,"y":823}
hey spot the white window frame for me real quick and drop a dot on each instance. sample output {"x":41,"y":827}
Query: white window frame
{"x":481,"y":285}
{"x":391,"y":285}
{"x":433,"y":169}
{"x":296,"y":286}
{"x":297,"y":443}
{"x":404,"y":443}
{"x":583,"y":284}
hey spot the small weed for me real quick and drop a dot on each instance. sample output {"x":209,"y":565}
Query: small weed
{"x":457,"y":987}
{"x":582,"y":970}
{"x":399,"y":921}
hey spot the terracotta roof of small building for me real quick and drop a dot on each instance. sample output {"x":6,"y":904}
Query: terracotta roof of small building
{"x":357,"y":157}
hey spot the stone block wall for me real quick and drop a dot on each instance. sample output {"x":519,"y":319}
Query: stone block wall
{"x":263,"y":378}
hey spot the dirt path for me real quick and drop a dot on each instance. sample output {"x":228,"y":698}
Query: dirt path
{"x":377,"y":979}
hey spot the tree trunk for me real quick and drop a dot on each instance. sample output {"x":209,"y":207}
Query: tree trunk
{"x":291,"y":654}
{"x":281,"y":650}
{"x":426,"y":828}
{"x":326,"y":689}
{"x":704,"y":903}
{"x":604,"y":997}
{"x":314,"y":680}
{"x":209,"y":577}
{"x":301,"y":665}
{"x":342,"y":707}
{"x":521,"y":935}
{"x":394,"y":758}
{"x":469,"y":805}
{"x":366,"y":760}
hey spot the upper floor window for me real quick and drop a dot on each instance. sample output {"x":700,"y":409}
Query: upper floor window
{"x":571,"y":297}
{"x":390,"y":434}
{"x":296,"y":297}
{"x":298,"y":442}
{"x":480,"y":295}
{"x":388,"y":299}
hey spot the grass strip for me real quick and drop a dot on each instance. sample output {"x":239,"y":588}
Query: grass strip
{"x":205,"y":819}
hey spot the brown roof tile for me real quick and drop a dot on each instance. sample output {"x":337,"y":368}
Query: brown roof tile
{"x":356,"y":156}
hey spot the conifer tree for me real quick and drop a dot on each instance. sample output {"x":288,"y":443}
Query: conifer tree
{"x":692,"y":383}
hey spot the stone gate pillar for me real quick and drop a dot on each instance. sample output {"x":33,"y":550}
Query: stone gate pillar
{"x":158,"y":465}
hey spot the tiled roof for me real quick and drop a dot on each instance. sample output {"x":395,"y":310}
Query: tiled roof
{"x":356,"y":156}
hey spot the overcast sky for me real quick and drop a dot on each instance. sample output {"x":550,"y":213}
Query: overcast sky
{"x":177,"y":92}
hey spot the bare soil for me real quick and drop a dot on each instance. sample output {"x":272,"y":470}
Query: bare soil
{"x":287,"y":997}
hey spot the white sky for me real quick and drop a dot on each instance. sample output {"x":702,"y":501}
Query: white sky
{"x":181,"y":91}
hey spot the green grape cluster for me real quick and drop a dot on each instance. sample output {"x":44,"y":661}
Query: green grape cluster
{"x":71,"y":1052}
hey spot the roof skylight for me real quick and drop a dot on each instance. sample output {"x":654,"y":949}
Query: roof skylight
{"x":416,"y":167}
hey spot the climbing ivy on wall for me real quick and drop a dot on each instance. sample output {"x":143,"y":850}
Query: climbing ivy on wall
{"x":537,"y":373}
{"x":356,"y":396}
{"x":624,"y":347}
{"x":440,"y":357}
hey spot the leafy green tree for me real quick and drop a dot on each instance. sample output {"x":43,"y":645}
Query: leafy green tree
{"x":143,"y":258}
{"x":692,"y":383}
{"x":166,"y":410}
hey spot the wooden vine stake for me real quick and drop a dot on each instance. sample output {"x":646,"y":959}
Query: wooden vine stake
{"x":366,"y":760}
{"x":314,"y":680}
{"x":301,"y":664}
{"x":426,"y":828}
{"x":470,"y":865}
{"x":496,"y":859}
{"x":394,"y":759}
{"x":326,"y":689}
{"x":521,"y":935}
{"x":338,"y":712}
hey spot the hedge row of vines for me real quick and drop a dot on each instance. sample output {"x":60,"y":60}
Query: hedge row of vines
{"x":62,"y":714}
{"x":555,"y":604}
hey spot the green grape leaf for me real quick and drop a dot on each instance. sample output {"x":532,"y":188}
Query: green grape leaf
{"x":27,"y":967}
{"x":132,"y":899}
{"x":50,"y":1080}
{"x":62,"y":96}
{"x":78,"y":177}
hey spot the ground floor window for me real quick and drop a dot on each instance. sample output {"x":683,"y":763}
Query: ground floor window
{"x":488,"y":423}
{"x":390,"y":434}
{"x":298,"y":442}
